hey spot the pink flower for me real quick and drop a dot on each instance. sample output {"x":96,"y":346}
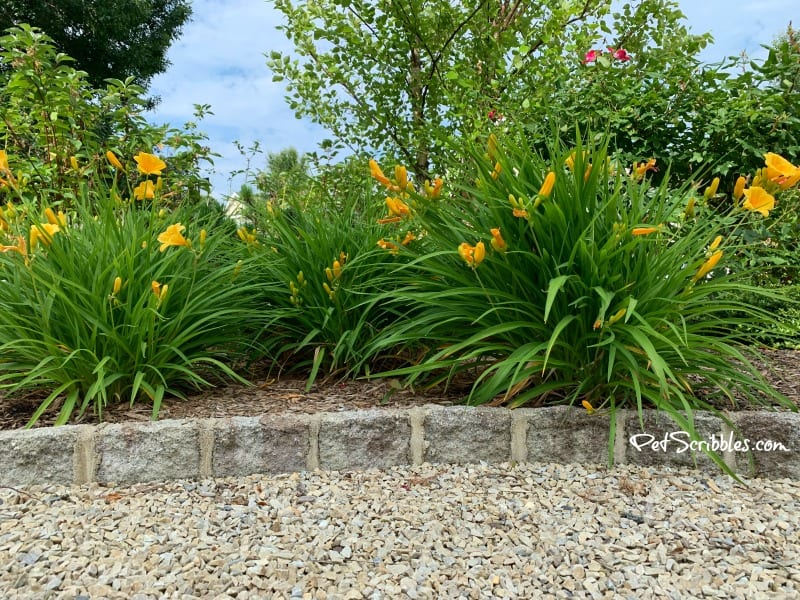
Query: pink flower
{"x":591,"y":56}
{"x":620,"y":54}
{"x":495,"y":117}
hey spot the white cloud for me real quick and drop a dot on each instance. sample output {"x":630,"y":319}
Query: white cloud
{"x":220,"y":60}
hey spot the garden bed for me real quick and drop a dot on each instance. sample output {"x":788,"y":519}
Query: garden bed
{"x":288,"y":395}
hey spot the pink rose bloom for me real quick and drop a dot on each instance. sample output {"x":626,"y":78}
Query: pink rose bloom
{"x":620,"y":54}
{"x":591,"y":56}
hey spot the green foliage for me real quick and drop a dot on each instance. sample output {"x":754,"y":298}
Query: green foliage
{"x":286,"y":175}
{"x":599,"y":290}
{"x":95,"y":309}
{"x":121,"y":39}
{"x":56,"y":129}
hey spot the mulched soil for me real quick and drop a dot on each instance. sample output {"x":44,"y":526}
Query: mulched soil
{"x":781,"y":368}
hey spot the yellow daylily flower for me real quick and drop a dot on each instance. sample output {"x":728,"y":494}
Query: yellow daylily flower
{"x":156,"y":287}
{"x":43,"y":232}
{"x":472,"y":255}
{"x":397,"y":207}
{"x":410,"y":237}
{"x":377,"y":174}
{"x":18,"y":247}
{"x":391,"y":247}
{"x":588,"y":406}
{"x":4,"y":169}
{"x":639,"y":169}
{"x":144,"y":191}
{"x":173,"y":236}
{"x":149,"y":164}
{"x":781,"y":171}
{"x":433,"y":190}
{"x":715,"y":244}
{"x":707,"y":266}
{"x":759,"y":200}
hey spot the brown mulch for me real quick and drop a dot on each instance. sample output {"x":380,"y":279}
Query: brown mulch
{"x":287,"y":395}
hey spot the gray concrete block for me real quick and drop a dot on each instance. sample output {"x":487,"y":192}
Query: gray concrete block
{"x":267,"y":444}
{"x":663,"y":442}
{"x":39,"y":455}
{"x":563,"y":434}
{"x":364,"y":439}
{"x":768,"y":444}
{"x":467,"y":434}
{"x":131,"y":453}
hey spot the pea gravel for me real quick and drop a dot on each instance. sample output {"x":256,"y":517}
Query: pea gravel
{"x":431,"y":531}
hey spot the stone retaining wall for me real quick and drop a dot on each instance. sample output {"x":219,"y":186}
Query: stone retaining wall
{"x":237,"y":446}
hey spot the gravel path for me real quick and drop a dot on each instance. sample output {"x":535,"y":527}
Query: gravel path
{"x":471,"y":531}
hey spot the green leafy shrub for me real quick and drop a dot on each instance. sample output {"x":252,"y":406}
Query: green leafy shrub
{"x":56,"y":129}
{"x":565,"y":280}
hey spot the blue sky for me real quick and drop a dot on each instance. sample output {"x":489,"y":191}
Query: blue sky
{"x":219,"y":60}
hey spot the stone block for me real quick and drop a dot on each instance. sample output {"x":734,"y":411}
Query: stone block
{"x":267,"y":444}
{"x":662,"y":442}
{"x":160,"y":451}
{"x":564,"y":434}
{"x":39,"y":455}
{"x":769,"y":444}
{"x":364,"y":439}
{"x":467,"y":434}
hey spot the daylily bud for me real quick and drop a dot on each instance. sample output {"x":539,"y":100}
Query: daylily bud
{"x":738,"y":189}
{"x":689,"y":212}
{"x":498,"y":243}
{"x":617,"y":316}
{"x":711,"y":190}
{"x":547,"y":185}
{"x":117,"y":285}
{"x":480,"y":253}
{"x":401,"y":177}
{"x":51,"y":216}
